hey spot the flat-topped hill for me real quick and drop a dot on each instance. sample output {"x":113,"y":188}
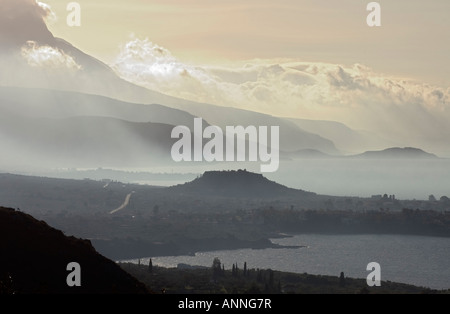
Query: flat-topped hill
{"x":240,"y":184}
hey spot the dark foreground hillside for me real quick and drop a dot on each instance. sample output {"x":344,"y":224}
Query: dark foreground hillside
{"x":34,"y":259}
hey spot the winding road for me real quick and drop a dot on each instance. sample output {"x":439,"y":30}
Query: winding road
{"x":125,"y":204}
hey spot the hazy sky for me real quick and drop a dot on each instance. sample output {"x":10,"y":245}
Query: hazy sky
{"x":312,"y":59}
{"x":412,"y":41}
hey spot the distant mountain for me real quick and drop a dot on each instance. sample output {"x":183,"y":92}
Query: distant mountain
{"x":92,"y":129}
{"x":34,"y":259}
{"x":97,"y":78}
{"x":346,"y":139}
{"x":397,"y":153}
{"x":292,"y":137}
{"x":45,"y":103}
{"x":239,"y":184}
{"x":71,"y":129}
{"x":84,"y":141}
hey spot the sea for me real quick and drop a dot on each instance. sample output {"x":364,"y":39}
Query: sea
{"x":418,"y":260}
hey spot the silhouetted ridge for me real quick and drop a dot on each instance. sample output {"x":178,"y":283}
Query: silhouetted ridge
{"x":240,"y":183}
{"x":397,"y":152}
{"x":34,"y":258}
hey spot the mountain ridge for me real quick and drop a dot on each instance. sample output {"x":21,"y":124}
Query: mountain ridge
{"x":397,"y":152}
{"x":35,"y":257}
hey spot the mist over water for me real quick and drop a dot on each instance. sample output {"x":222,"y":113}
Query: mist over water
{"x":406,"y":179}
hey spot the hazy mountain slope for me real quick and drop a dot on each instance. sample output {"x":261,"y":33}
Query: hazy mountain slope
{"x":97,"y":78}
{"x":292,"y":137}
{"x":44,"y":103}
{"x":35,"y":257}
{"x":73,"y":70}
{"x":84,"y":141}
{"x":87,"y":74}
{"x":346,"y":139}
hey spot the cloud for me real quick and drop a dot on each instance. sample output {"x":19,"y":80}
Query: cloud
{"x":48,"y":15}
{"x":47,"y":57}
{"x":154,"y":67}
{"x":353,"y":94}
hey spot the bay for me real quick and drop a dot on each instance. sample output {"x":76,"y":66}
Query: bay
{"x":418,"y":260}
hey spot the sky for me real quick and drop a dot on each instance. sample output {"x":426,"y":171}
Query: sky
{"x":412,"y":41}
{"x":312,"y":59}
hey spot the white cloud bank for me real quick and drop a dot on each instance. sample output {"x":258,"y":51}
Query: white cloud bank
{"x":47,"y":57}
{"x":354,"y":94}
{"x":47,"y":12}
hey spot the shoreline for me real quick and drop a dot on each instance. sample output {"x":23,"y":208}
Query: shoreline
{"x":126,"y":249}
{"x":168,"y":278}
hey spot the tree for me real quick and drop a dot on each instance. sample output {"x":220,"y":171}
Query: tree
{"x":216,"y":267}
{"x":236,"y":270}
{"x":342,"y":279}
{"x":259,"y":277}
{"x":271,"y":282}
{"x":245,"y":269}
{"x":431,"y":198}
{"x":150,"y":266}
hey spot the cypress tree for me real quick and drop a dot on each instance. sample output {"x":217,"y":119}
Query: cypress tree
{"x":150,"y":266}
{"x":342,"y":279}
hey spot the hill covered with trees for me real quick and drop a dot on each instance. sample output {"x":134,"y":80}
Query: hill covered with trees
{"x":244,"y":279}
{"x":237,"y":184}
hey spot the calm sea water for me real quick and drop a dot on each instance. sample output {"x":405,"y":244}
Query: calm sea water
{"x":418,"y":260}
